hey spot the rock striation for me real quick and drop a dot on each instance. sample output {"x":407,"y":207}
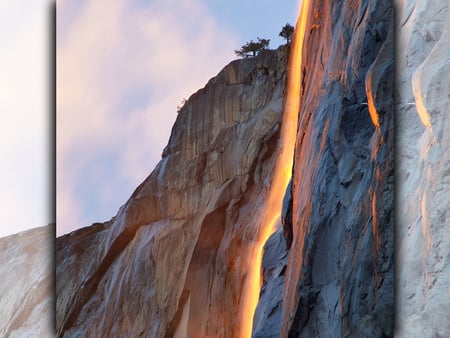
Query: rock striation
{"x":26,"y":287}
{"x":176,"y":257}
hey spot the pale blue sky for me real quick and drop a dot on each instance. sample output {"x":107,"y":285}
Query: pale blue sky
{"x":250,"y":19}
{"x":122,"y":69}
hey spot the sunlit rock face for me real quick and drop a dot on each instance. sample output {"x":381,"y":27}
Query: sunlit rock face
{"x":26,"y":287}
{"x":339,"y":220}
{"x":175,"y":259}
{"x":423,"y":168}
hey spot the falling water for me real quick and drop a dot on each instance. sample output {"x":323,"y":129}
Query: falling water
{"x":283,"y":168}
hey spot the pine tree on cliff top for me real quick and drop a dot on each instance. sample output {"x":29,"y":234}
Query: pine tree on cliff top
{"x":252,"y":48}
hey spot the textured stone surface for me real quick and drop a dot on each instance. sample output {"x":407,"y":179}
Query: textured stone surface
{"x":26,"y":287}
{"x":172,"y":263}
{"x":423,"y":169}
{"x":267,"y":320}
{"x":176,"y":258}
{"x":339,"y":276}
{"x":190,"y":227}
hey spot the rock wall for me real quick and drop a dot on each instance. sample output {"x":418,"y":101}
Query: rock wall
{"x":338,"y":217}
{"x":422,"y":168}
{"x":26,"y":287}
{"x":182,"y":244}
{"x":177,"y":258}
{"x":174,"y":261}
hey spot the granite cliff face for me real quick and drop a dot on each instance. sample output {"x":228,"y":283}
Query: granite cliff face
{"x":337,"y":278}
{"x":181,"y":257}
{"x":176,"y":259}
{"x":26,"y":296}
{"x":423,"y":169}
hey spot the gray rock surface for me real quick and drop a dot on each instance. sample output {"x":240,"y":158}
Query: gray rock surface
{"x":267,"y":320}
{"x":423,"y":169}
{"x":339,"y":276}
{"x":26,"y":287}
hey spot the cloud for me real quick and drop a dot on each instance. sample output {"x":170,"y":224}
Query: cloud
{"x":122,"y":69}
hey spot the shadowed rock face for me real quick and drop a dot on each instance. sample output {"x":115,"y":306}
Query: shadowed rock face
{"x":190,"y":227}
{"x":26,"y":296}
{"x":339,"y":278}
{"x":338,"y":218}
{"x":267,"y":320}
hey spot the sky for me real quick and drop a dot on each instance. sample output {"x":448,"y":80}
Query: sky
{"x":25,"y":182}
{"x":122,"y":69}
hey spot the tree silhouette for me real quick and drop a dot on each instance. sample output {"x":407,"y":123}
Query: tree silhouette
{"x":287,"y":32}
{"x":252,"y":48}
{"x":264,"y":43}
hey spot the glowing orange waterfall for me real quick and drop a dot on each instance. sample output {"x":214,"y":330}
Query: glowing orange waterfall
{"x":282,"y":173}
